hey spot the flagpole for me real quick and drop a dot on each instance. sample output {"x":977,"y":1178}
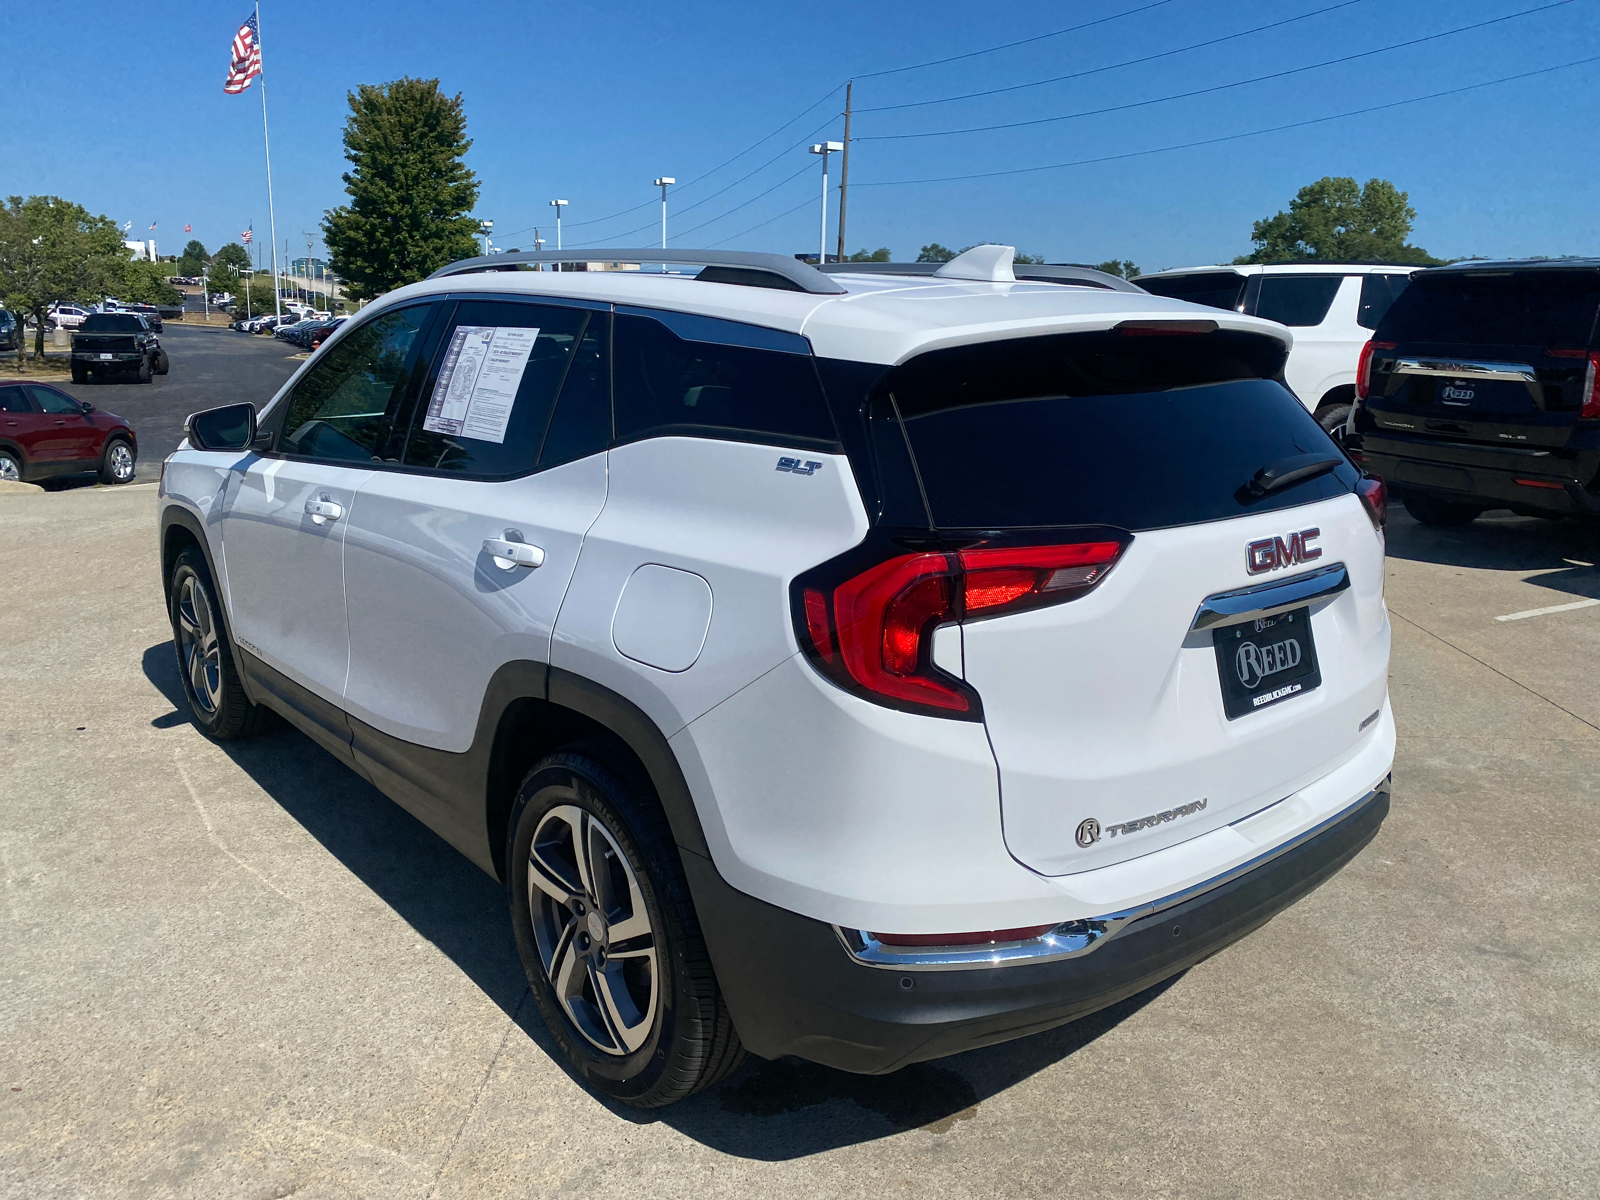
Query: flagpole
{"x":272,"y":216}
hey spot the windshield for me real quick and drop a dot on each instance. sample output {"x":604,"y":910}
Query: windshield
{"x":113,"y":323}
{"x":1509,"y":308}
{"x":1137,"y":432}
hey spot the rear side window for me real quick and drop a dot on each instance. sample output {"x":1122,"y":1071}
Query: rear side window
{"x":1511,"y":308}
{"x":1217,"y":289}
{"x":1378,"y":292}
{"x":493,"y":387}
{"x":345,"y":408}
{"x":14,"y":400}
{"x":710,"y":378}
{"x":1105,"y":429}
{"x":1297,"y":300}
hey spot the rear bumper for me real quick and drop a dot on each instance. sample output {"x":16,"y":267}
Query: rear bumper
{"x":793,"y":987}
{"x":1549,"y":484}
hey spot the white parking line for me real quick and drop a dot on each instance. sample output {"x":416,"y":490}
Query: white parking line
{"x":1554,"y":608}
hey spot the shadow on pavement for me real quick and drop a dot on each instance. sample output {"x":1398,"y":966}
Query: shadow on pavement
{"x":1501,"y":541}
{"x":770,"y":1111}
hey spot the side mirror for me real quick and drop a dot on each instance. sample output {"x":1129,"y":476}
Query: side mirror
{"x":86,"y":406}
{"x":231,"y":427}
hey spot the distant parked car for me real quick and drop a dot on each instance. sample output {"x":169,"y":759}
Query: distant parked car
{"x":1480,"y":389}
{"x":325,"y":330}
{"x":10,"y":331}
{"x":44,"y":432}
{"x":68,"y":316}
{"x":1332,"y":308}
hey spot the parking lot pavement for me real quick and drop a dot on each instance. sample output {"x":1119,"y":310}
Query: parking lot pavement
{"x":242,"y":972}
{"x":209,"y":367}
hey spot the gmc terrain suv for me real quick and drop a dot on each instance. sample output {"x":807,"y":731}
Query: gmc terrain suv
{"x":1481,"y":389}
{"x":858,"y":667}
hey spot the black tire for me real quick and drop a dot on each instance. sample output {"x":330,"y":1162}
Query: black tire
{"x":80,"y":373}
{"x":11,"y":467}
{"x":144,"y":372}
{"x":117,"y":463}
{"x":1444,"y":514}
{"x":686,"y":1041}
{"x":1333,"y":418}
{"x":218,"y":704}
{"x":161,"y":362}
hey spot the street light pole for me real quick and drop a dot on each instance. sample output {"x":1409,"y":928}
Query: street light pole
{"x":824,"y":148}
{"x":558,"y":205}
{"x":663,"y":183}
{"x":484,"y":228}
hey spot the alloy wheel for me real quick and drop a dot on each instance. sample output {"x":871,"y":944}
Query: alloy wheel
{"x":199,"y":648}
{"x":122,"y":462}
{"x":593,"y":930}
{"x":8,"y":469}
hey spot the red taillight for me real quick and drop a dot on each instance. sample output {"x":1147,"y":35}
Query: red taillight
{"x":1591,"y":388}
{"x":872,"y":632}
{"x":1364,"y":372}
{"x":1374,"y":495}
{"x":986,"y":938}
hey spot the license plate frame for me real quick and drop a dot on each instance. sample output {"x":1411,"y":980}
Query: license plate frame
{"x":1254,"y":667}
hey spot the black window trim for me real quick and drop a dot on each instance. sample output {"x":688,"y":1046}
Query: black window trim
{"x":742,"y":334}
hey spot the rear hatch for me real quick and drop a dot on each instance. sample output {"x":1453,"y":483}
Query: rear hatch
{"x":1114,"y":722}
{"x":1470,"y":365}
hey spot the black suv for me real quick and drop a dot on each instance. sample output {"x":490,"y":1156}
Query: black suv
{"x":1479,"y":390}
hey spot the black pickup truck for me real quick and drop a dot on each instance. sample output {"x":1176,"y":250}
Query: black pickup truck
{"x":116,"y":342}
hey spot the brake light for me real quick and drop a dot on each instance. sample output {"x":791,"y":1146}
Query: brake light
{"x":1364,"y":368}
{"x":1374,"y":495}
{"x":1591,"y":388}
{"x":871,"y":632}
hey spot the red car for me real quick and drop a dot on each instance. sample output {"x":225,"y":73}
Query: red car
{"x":44,"y":431}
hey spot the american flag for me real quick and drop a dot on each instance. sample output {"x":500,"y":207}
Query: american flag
{"x":248,"y":236}
{"x":246,"y":58}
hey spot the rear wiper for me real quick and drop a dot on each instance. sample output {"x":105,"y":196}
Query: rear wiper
{"x":1286,"y":472}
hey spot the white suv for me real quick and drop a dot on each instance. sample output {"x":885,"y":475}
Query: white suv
{"x":858,"y":667}
{"x":1332,"y":308}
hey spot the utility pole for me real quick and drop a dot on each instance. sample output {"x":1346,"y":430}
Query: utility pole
{"x":844,"y":165}
{"x":663,"y":183}
{"x":310,"y":285}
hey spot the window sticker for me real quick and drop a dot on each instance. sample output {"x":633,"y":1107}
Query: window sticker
{"x":478,"y":384}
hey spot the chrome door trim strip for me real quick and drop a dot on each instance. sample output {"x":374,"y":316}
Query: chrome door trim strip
{"x":1268,"y":599}
{"x":1466,"y":369}
{"x":1070,"y":939}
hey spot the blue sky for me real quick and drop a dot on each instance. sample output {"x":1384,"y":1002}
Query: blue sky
{"x":120,"y":107}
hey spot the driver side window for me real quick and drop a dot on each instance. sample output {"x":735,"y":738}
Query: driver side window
{"x":345,"y":408}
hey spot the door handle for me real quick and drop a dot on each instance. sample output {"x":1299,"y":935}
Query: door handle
{"x":511,"y":552}
{"x":324,"y":510}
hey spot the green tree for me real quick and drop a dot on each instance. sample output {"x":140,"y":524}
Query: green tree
{"x":1123,"y":269}
{"x":410,"y":193}
{"x":1337,"y":220}
{"x":231,"y":255}
{"x":194,"y":258}
{"x":881,"y":254}
{"x":50,"y":250}
{"x":933,"y":252}
{"x":146,"y":283}
{"x":1026,"y":259}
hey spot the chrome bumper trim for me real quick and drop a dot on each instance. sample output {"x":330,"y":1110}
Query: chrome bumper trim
{"x":1268,"y":599}
{"x":1070,"y":939}
{"x":1456,"y":368}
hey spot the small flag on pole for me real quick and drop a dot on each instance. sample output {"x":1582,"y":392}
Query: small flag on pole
{"x":246,"y":63}
{"x":152,"y":224}
{"x":185,"y":228}
{"x":248,"y":236}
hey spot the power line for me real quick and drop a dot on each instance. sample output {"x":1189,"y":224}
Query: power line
{"x":1130,"y":62}
{"x":787,"y":179}
{"x":1221,"y":87}
{"x":939,"y":62}
{"x":1233,"y":137}
{"x":786,"y":212}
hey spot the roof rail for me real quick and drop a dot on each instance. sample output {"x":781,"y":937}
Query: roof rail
{"x":1066,"y":273}
{"x":738,"y":266}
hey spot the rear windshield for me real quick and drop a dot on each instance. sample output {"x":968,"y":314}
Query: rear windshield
{"x":113,"y":323}
{"x":1105,"y":429}
{"x":1522,"y":308}
{"x":1218,"y":289}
